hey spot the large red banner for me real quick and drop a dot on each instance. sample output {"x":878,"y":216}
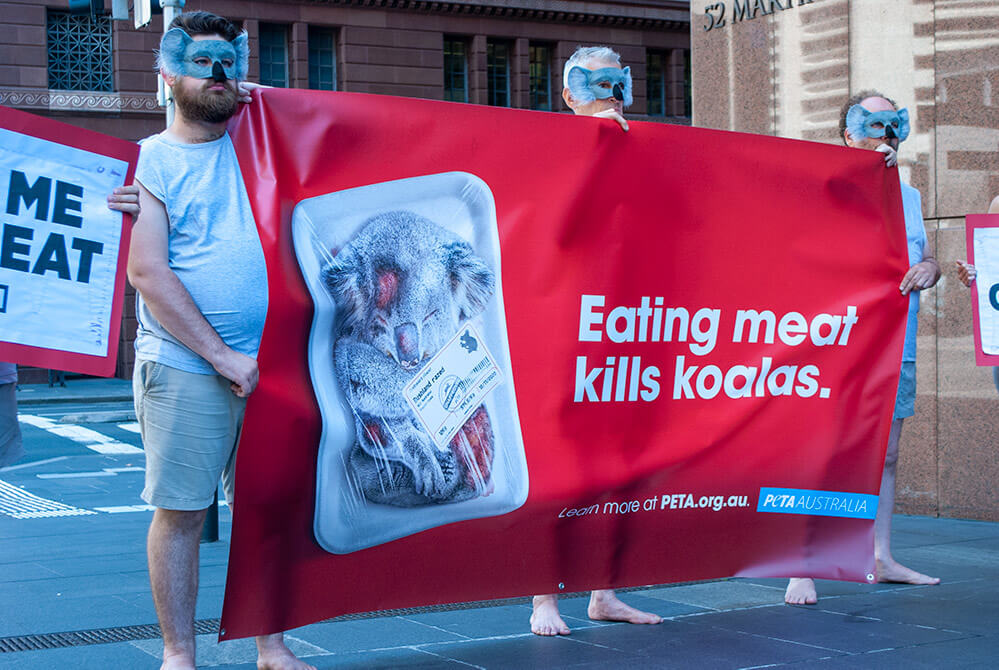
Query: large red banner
{"x":684,"y":350}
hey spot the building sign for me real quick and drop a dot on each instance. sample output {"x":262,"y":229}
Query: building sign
{"x":722,"y":14}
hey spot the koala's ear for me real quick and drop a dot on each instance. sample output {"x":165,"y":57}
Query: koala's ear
{"x":343,"y":280}
{"x":856,"y":116}
{"x":472,"y":281}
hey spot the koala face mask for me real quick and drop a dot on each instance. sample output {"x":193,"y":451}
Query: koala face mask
{"x":861,"y":122}
{"x":220,"y":60}
{"x":607,"y":82}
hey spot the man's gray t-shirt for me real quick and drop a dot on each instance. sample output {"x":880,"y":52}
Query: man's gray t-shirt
{"x":214,"y":248}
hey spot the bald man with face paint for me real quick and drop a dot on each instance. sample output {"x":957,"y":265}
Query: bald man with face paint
{"x":869,"y":120}
{"x":595,"y":85}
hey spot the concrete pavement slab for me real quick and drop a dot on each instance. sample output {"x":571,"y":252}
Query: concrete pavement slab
{"x":528,"y":652}
{"x":416,"y":629}
{"x":695,"y":643}
{"x":120,"y":656}
{"x":211,"y":654}
{"x":962,"y":654}
{"x":828,"y":630}
{"x":727,"y":594}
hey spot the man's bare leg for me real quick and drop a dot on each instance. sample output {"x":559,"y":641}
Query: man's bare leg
{"x":801,"y":591}
{"x":273,"y":654}
{"x":172,"y":549}
{"x":888,"y":569}
{"x":545,"y":619}
{"x":606,"y":606}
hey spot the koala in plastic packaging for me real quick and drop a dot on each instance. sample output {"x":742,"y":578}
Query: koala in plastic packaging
{"x":403,"y":286}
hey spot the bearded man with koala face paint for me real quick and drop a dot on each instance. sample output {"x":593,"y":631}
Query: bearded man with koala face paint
{"x":869,"y":120}
{"x":198,"y":266}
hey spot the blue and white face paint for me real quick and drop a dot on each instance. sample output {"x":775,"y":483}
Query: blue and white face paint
{"x":607,"y":82}
{"x":217,"y":59}
{"x":861,"y":122}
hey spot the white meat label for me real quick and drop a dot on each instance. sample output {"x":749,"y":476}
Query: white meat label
{"x":452,"y":385}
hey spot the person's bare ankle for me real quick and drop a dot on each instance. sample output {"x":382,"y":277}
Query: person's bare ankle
{"x":274,"y":654}
{"x":178,"y":660}
{"x":891,"y":571}
{"x":545,"y":618}
{"x":801,"y":591}
{"x":606,"y":606}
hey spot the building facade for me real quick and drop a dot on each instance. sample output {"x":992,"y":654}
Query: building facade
{"x":97,"y":73}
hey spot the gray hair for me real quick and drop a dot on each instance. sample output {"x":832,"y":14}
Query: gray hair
{"x":586,"y":54}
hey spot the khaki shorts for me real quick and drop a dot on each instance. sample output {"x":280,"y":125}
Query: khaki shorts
{"x":190,"y":425}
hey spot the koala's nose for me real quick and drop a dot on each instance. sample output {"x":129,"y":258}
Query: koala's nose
{"x":890,"y":133}
{"x":407,"y":344}
{"x":618,"y":92}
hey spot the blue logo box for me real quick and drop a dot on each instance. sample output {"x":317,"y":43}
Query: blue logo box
{"x":817,"y":503}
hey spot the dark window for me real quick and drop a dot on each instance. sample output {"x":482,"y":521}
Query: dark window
{"x":322,"y":59}
{"x":541,"y":77}
{"x":455,"y":70}
{"x":498,"y":73}
{"x":655,"y":82}
{"x":273,"y":55}
{"x":79,"y":49}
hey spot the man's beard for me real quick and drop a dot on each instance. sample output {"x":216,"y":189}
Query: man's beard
{"x":204,"y":105}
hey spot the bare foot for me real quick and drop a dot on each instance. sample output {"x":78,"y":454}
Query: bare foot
{"x":895,"y":572}
{"x":605,"y":606}
{"x":801,"y":591}
{"x":273,"y":654}
{"x":545,"y":619}
{"x":177,"y":662}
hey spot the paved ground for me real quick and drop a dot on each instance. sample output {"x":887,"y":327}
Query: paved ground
{"x":72,"y":534}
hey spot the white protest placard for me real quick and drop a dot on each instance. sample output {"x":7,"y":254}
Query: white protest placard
{"x":983,"y":253}
{"x":62,"y":251}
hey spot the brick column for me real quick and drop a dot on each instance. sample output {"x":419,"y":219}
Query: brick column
{"x":674,"y":83}
{"x":520,"y":75}
{"x":252,"y":28}
{"x":477,"y":86}
{"x":298,"y":55}
{"x":342,"y":66}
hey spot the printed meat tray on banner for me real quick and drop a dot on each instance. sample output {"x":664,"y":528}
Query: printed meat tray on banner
{"x":409,"y":359}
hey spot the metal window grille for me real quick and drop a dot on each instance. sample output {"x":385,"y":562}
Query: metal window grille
{"x":455,"y":71}
{"x":655,"y":83}
{"x":498,"y":73}
{"x":322,"y":59}
{"x":79,"y":52}
{"x":541,"y":80}
{"x":274,"y":55}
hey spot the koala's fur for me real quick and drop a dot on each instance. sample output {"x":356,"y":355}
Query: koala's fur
{"x":402,"y":288}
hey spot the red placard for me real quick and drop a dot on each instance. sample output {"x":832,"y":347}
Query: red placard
{"x":629,"y":490}
{"x":18,"y":252}
{"x":975,"y":222}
